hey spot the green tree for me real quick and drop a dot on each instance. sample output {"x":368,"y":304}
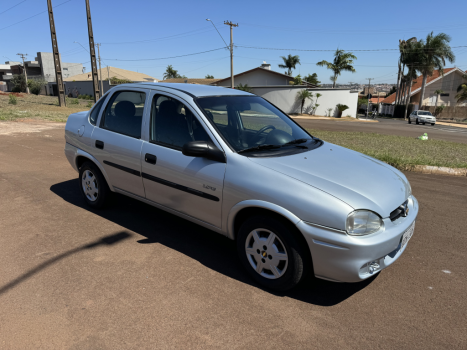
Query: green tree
{"x":411,"y":60}
{"x":402,"y":49}
{"x":36,"y":85}
{"x":312,"y":79}
{"x":117,"y":81}
{"x":342,"y":63}
{"x":341,"y":108}
{"x":318,"y":95}
{"x":19,"y":82}
{"x":171,"y":73}
{"x":243,"y":87}
{"x":462,"y":92}
{"x":208,"y":76}
{"x":438,"y":92}
{"x":435,"y":51}
{"x":289,"y":63}
{"x":297,"y":80}
{"x":303,"y":95}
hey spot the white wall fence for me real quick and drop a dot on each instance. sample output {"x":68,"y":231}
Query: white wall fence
{"x":285,"y":98}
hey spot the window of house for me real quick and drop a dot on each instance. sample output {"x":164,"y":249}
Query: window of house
{"x":124,"y":113}
{"x":173,"y":124}
{"x":444,"y":94}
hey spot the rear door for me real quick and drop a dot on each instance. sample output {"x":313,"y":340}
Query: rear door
{"x":190,"y":185}
{"x":117,"y":139}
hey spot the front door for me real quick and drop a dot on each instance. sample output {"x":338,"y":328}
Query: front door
{"x":117,"y":140}
{"x":190,"y":185}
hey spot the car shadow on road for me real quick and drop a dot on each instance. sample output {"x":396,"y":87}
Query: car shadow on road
{"x":211,"y":249}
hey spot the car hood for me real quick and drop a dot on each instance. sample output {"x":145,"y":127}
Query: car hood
{"x":358,"y":180}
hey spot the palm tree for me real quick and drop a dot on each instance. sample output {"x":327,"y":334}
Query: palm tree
{"x":170,"y":73}
{"x":435,"y":52}
{"x":289,"y":63}
{"x":438,"y":92}
{"x":244,"y":87}
{"x":462,"y":92}
{"x":402,"y":48}
{"x":342,"y":62}
{"x":303,"y":95}
{"x":411,"y":59}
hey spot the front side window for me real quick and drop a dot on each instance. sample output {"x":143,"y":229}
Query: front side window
{"x":124,"y":113}
{"x":250,"y":122}
{"x":173,"y":124}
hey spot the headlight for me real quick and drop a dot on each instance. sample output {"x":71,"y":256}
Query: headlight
{"x":363,"y":222}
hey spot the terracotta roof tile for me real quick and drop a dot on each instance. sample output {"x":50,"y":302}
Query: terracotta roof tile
{"x":418,"y":84}
{"x":190,"y":81}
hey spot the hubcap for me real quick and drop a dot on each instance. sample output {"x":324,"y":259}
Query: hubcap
{"x":266,"y":253}
{"x":90,"y":187}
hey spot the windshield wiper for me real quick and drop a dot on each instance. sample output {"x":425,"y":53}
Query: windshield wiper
{"x":295,"y":142}
{"x":259,"y":147}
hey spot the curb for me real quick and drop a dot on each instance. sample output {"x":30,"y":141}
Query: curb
{"x":437,"y":170}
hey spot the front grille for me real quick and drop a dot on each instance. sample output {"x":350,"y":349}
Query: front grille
{"x":401,"y":210}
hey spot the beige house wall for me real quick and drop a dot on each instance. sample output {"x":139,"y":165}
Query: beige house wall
{"x":448,"y":84}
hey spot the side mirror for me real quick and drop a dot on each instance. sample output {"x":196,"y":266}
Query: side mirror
{"x":203,"y":149}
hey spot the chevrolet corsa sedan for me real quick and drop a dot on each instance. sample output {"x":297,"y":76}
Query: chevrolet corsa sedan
{"x":232,"y":162}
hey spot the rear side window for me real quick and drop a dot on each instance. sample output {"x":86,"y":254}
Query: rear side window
{"x":124,"y":113}
{"x":95,"y":111}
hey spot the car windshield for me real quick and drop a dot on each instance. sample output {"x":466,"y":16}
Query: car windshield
{"x":424,"y":113}
{"x":251,"y":123}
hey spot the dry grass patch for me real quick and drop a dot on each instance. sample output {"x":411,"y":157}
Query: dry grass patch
{"x":401,"y":152}
{"x":39,"y":107}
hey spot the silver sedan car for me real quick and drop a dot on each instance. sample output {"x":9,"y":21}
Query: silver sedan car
{"x":234,"y":163}
{"x":421,"y":117}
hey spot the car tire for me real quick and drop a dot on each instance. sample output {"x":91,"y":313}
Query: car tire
{"x":284,"y":263}
{"x":423,"y":123}
{"x":432,"y":124}
{"x":93,"y":186}
{"x":416,"y":121}
{"x":409,"y":121}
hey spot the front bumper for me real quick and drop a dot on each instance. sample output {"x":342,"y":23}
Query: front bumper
{"x":342,"y":258}
{"x":423,"y":120}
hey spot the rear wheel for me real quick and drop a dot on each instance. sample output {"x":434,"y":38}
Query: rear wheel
{"x":271,"y":253}
{"x":409,"y":121}
{"x":92,"y":185}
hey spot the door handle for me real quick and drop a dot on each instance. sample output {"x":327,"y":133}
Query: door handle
{"x":99,"y":144}
{"x":150,"y":158}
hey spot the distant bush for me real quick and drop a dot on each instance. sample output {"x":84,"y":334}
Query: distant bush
{"x":89,"y":105}
{"x":16,"y":89}
{"x":19,"y":83}
{"x":12,"y":100}
{"x":117,"y":81}
{"x":71,"y":101}
{"x":36,"y":85}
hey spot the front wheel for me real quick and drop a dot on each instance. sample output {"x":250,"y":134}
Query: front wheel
{"x":409,"y":121}
{"x":423,"y":123}
{"x":271,"y":253}
{"x":416,"y":121}
{"x":432,"y":124}
{"x":92,"y":185}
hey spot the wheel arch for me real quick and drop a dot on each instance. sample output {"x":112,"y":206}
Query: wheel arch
{"x":82,"y":157}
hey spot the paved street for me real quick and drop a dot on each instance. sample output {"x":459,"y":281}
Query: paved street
{"x":391,"y":127}
{"x":134,"y":277}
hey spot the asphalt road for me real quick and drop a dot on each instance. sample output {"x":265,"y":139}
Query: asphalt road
{"x":135,"y":277}
{"x":391,"y":127}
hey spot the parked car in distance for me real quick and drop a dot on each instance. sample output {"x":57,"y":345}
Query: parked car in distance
{"x":422,"y":117}
{"x":234,"y":163}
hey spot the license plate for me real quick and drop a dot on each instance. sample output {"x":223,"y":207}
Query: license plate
{"x":407,"y":235}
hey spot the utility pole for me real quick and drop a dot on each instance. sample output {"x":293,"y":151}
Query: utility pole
{"x":369,"y":86}
{"x":92,"y":51}
{"x":23,"y":56}
{"x":100,"y":68}
{"x":231,"y":52}
{"x":58,"y":66}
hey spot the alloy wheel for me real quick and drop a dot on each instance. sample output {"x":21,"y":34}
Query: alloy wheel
{"x":266,"y":253}
{"x":90,"y":185}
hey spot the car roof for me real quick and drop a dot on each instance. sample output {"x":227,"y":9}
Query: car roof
{"x":193,"y":90}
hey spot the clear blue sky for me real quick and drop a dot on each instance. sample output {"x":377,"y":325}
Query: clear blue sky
{"x":172,"y":28}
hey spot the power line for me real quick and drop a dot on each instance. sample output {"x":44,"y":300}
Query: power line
{"x":40,"y":13}
{"x":13,"y":7}
{"x":332,"y":50}
{"x":164,"y":58}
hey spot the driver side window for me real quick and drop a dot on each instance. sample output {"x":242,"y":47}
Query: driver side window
{"x":173,"y":124}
